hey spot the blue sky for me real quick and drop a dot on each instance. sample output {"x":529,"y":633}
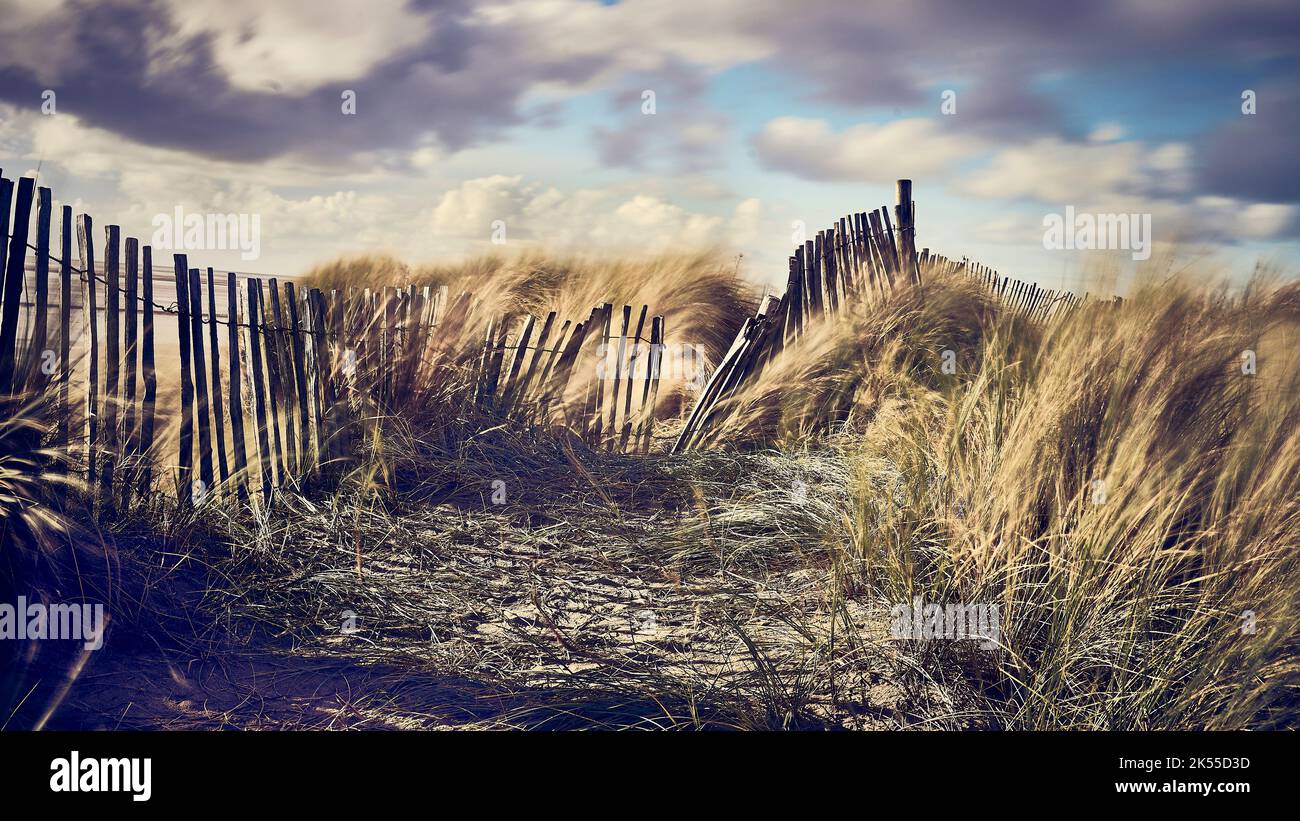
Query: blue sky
{"x":530,"y":115}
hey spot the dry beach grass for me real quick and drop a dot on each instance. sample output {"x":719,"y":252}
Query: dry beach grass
{"x":1114,"y":482}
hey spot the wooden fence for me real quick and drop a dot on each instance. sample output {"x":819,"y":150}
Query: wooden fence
{"x":300,"y":363}
{"x":862,"y":256}
{"x":616,"y":408}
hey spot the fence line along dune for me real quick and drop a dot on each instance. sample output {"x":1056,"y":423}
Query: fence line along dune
{"x":1119,"y":478}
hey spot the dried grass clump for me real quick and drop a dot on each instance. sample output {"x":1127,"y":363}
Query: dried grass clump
{"x":359,"y":271}
{"x":878,"y":351}
{"x":700,"y":295}
{"x":42,"y":557}
{"x":1127,"y":496}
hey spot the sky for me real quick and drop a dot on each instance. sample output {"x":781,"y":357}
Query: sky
{"x":438,"y":130}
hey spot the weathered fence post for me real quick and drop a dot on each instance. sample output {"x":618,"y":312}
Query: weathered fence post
{"x":85,"y":245}
{"x":656,"y":369}
{"x":185,"y":487}
{"x":13,"y":283}
{"x":130,"y":438}
{"x":236,"y":395}
{"x":6,"y":200}
{"x":215,"y":346}
{"x":618,"y":376}
{"x":112,"y":357}
{"x":516,"y":364}
{"x":259,"y":402}
{"x":273,"y":378}
{"x":281,"y":380}
{"x":65,"y":326}
{"x":335,"y":435}
{"x":33,"y":372}
{"x":903,"y":210}
{"x":150,"y":376}
{"x":631,"y":373}
{"x":201,"y":385}
{"x":300,"y":378}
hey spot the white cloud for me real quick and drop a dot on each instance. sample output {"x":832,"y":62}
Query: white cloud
{"x":1057,"y":171}
{"x":467,"y":212}
{"x":122,"y":182}
{"x":36,"y":38}
{"x":1106,"y":133}
{"x":589,"y":218}
{"x":746,"y":223}
{"x":915,"y":148}
{"x":298,"y":45}
{"x":1264,"y":220}
{"x":641,"y":35}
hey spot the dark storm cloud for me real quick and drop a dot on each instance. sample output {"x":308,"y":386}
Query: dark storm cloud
{"x":108,"y":81}
{"x":1254,"y":157}
{"x":623,"y":147}
{"x":999,"y":103}
{"x":895,"y":54}
{"x":671,"y":131}
{"x":466,"y":82}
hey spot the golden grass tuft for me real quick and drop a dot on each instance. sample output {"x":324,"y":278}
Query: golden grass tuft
{"x":700,"y":295}
{"x":1126,"y":494}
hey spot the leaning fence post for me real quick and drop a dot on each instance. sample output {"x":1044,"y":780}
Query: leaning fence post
{"x":631,"y":373}
{"x":522,"y":390}
{"x":596,"y":410}
{"x":516,"y":364}
{"x":656,"y":369}
{"x":618,"y":376}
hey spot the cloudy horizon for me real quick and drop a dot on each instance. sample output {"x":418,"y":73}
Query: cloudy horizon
{"x":422,"y":128}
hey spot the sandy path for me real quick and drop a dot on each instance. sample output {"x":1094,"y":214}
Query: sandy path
{"x":495,"y":617}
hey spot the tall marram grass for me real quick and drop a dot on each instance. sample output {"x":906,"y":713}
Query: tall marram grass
{"x":1119,"y":484}
{"x":700,"y":295}
{"x":1115,"y":482}
{"x":844,"y":371}
{"x":42,"y":554}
